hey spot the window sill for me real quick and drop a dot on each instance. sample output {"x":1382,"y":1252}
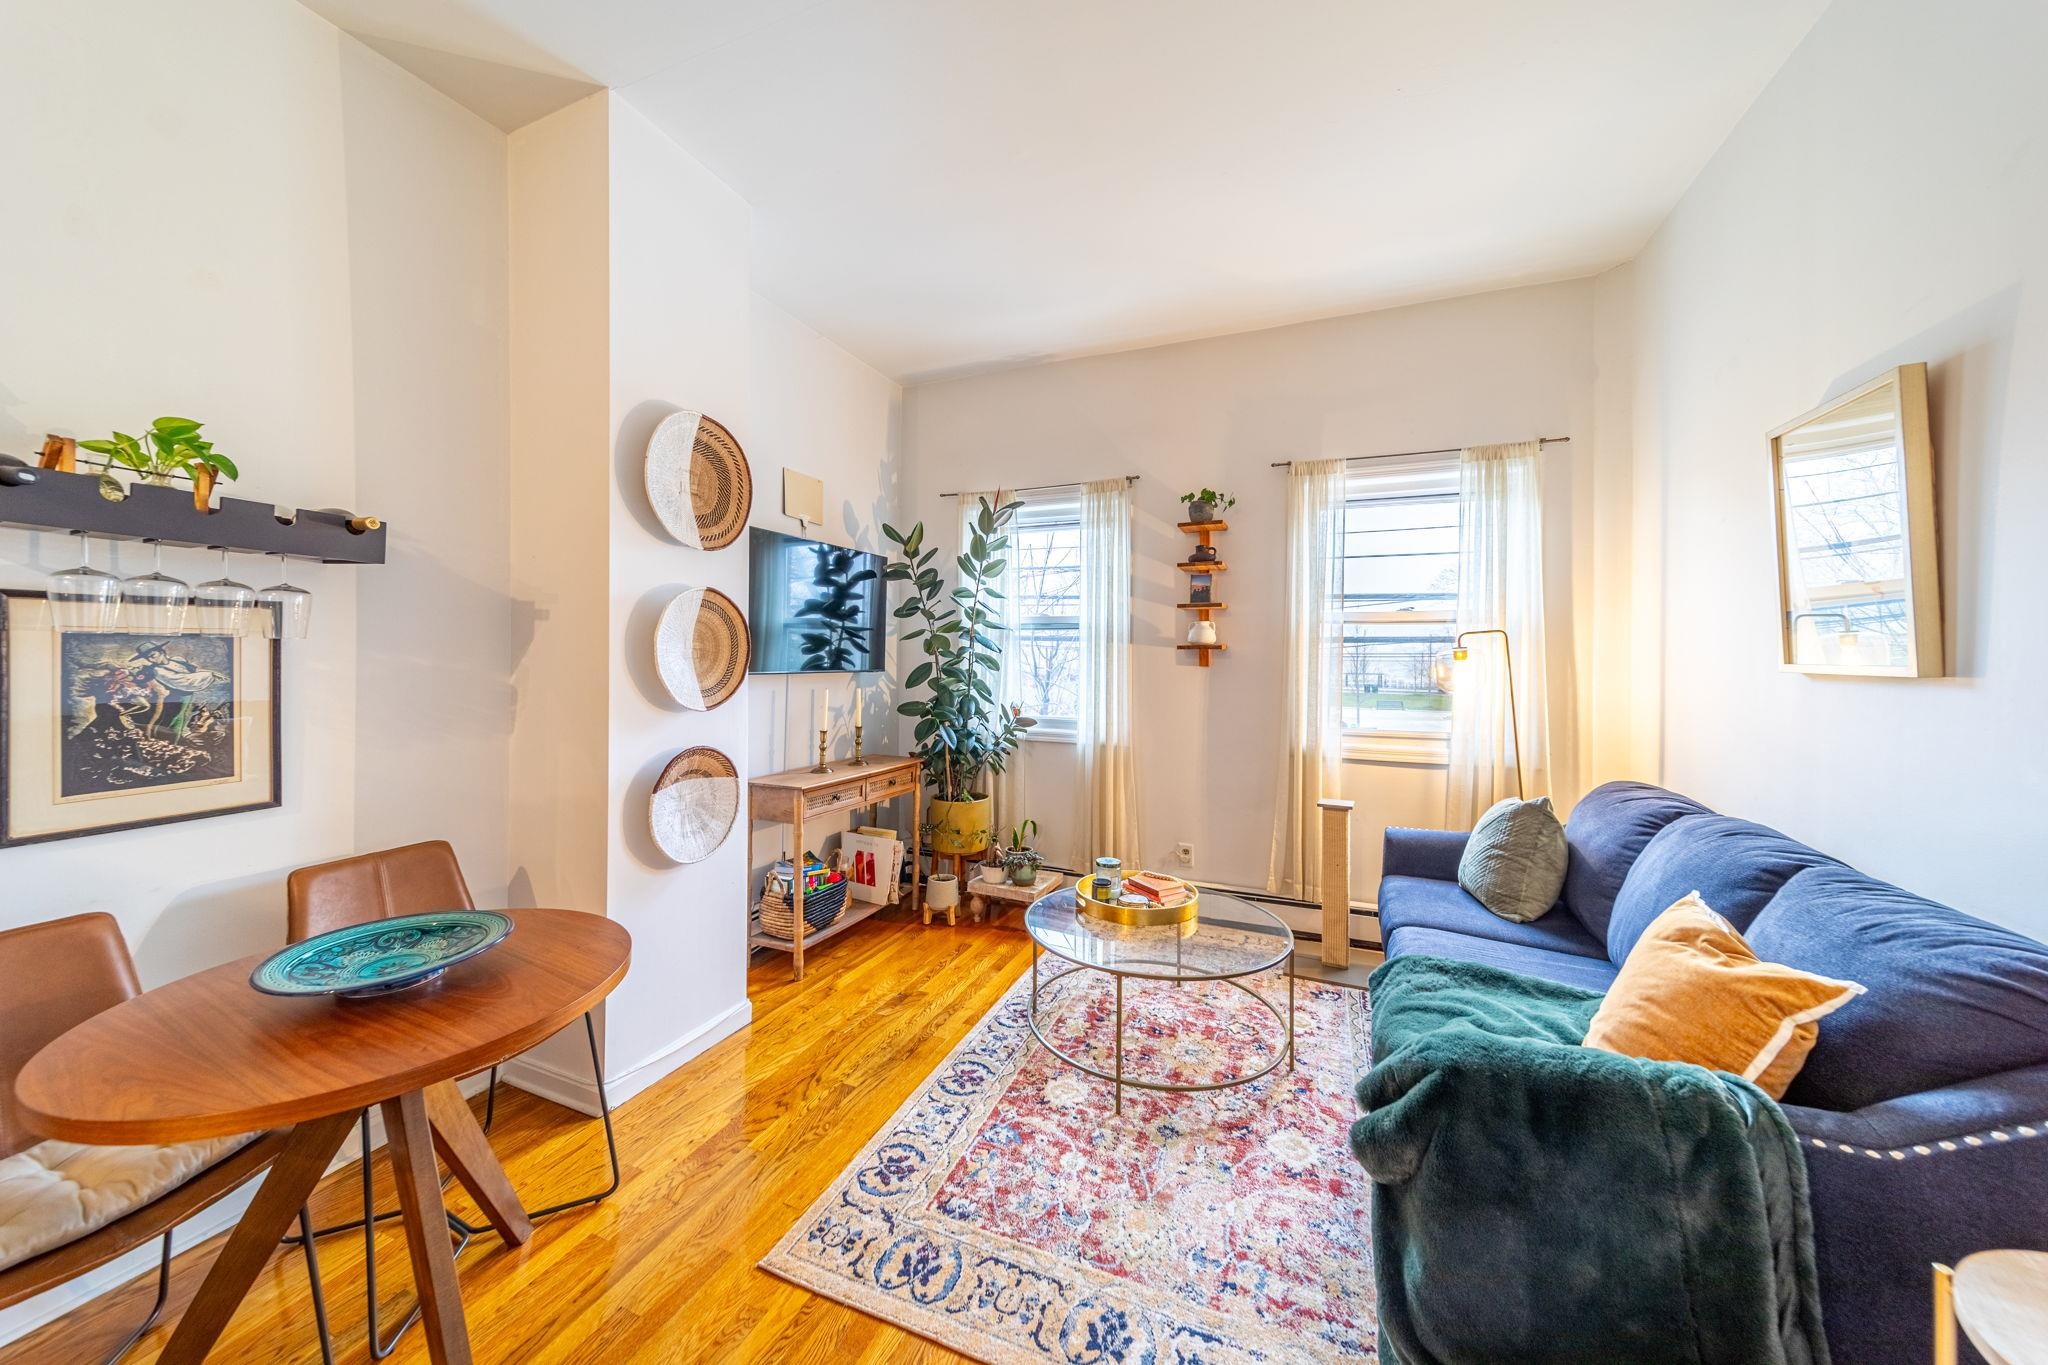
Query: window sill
{"x":1417,"y":750}
{"x":1045,"y":732}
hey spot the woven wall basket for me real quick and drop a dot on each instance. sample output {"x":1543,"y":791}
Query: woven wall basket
{"x":698,"y":481}
{"x":695,"y":801}
{"x":701,"y":648}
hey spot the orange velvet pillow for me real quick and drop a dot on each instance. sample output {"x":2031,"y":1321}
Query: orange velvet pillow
{"x":1692,"y":990}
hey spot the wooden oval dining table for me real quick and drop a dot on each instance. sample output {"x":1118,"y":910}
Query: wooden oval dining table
{"x":211,"y":1056}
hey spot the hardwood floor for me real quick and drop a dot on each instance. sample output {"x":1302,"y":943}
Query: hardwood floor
{"x":718,"y":1159}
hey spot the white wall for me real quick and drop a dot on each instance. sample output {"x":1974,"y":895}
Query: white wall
{"x":557,"y":786}
{"x":1885,"y":200}
{"x":289,"y":269}
{"x":821,"y":412}
{"x":427,"y":216}
{"x":680,"y":313}
{"x":326,"y":291}
{"x":631,"y":299}
{"x":1493,"y":367}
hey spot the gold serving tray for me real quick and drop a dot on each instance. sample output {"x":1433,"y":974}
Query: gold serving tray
{"x":1135,"y":916}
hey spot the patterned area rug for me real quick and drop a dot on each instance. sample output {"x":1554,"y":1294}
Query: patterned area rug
{"x":1006,"y":1212}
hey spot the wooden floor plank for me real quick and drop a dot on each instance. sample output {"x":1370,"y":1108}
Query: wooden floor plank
{"x":717,"y":1159}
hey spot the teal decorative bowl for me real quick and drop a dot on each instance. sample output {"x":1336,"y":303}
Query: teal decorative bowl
{"x":381,"y":956}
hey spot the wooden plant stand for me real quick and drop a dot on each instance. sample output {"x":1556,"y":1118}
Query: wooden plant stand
{"x":987,"y":899}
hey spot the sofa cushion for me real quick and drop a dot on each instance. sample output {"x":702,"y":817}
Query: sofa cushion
{"x":1735,"y":865}
{"x":1567,"y":969}
{"x":1950,"y":997}
{"x":1606,"y":832}
{"x":1694,"y":991}
{"x":57,"y":1192}
{"x":1514,"y":862}
{"x":1428,"y":903}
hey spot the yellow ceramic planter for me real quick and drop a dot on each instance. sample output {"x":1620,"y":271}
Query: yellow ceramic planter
{"x":962,"y":827}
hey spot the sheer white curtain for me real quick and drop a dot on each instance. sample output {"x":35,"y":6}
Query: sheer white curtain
{"x":1500,"y":587}
{"x":1109,"y":773}
{"x":1012,"y":803}
{"x":1311,"y":751}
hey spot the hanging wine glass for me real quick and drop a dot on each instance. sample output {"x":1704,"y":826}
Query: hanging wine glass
{"x":84,"y":598}
{"x":283,"y":610}
{"x":228,"y":602}
{"x":156,"y":602}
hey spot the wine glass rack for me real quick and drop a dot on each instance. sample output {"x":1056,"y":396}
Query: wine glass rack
{"x":101,"y":505}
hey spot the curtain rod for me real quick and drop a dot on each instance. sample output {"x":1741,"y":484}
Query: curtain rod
{"x":1405,"y":454}
{"x":1035,"y":488}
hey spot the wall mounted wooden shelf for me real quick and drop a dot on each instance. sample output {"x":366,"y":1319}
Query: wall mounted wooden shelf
{"x":1202,"y":531}
{"x":57,"y":501}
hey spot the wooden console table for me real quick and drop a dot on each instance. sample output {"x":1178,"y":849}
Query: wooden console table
{"x":788,"y":798}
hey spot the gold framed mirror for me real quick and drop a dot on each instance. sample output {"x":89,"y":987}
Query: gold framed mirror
{"x":1859,"y":591}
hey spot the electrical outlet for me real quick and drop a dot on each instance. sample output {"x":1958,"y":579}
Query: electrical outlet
{"x":1184,"y":854}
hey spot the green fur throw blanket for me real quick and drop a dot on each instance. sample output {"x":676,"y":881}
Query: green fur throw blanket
{"x":1539,"y":1201}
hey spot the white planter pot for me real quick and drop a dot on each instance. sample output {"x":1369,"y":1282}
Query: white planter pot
{"x":942,"y":891}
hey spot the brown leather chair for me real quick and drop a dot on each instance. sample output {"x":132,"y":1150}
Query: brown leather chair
{"x":414,"y":880}
{"x":56,"y":975}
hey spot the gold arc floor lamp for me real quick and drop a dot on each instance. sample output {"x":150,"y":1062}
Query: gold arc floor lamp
{"x":1459,"y":654}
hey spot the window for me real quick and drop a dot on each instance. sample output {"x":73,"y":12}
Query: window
{"x":1044,"y":645}
{"x":1400,"y":587}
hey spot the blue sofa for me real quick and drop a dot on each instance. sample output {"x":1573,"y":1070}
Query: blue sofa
{"x":1924,"y":1106}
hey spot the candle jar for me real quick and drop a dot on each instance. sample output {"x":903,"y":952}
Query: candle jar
{"x":1109,"y":878}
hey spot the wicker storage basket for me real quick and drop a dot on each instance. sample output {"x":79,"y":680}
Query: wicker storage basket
{"x":822,"y":909}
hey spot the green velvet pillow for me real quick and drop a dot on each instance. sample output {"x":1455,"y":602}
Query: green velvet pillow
{"x":1514,"y":862}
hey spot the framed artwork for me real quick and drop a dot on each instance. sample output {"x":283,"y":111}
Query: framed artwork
{"x":1859,"y":590}
{"x":104,"y":730}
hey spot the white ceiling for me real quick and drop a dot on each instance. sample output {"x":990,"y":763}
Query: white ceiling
{"x":944,"y":186}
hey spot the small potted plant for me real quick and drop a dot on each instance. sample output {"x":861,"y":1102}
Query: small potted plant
{"x":1021,"y":860}
{"x":993,"y":868}
{"x":1207,"y":505}
{"x":171,"y":446}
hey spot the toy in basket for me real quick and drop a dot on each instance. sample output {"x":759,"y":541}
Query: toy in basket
{"x":1146,"y":898}
{"x":824,"y":898}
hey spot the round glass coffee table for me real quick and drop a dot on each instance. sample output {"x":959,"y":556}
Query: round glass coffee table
{"x":1229,"y":941}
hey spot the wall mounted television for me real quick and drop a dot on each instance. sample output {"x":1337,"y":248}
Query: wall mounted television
{"x":816,"y":608}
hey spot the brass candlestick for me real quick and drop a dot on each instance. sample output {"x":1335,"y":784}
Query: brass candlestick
{"x":822,"y":767}
{"x":856,"y":761}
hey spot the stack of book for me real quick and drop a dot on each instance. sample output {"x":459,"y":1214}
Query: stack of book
{"x":1157,"y":888}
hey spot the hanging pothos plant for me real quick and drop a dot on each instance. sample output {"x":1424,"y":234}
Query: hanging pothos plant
{"x":963,"y":730}
{"x":172,"y":445}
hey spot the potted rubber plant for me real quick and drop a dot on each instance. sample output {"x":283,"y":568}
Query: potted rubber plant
{"x":1020,"y":859}
{"x":963,"y":732}
{"x":172,"y":446}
